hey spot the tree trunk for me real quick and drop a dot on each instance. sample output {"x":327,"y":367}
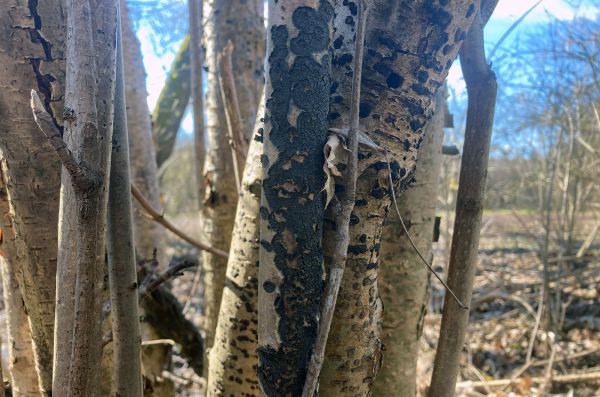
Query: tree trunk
{"x":32,"y":45}
{"x":397,"y":99}
{"x":292,"y":203}
{"x":127,"y":339}
{"x":240,"y":22}
{"x":88,"y":132}
{"x":23,"y":376}
{"x":403,"y":278}
{"x":233,"y":358}
{"x":171,"y":105}
{"x":197,"y":62}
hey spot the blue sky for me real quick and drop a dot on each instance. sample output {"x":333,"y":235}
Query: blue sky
{"x":504,"y":16}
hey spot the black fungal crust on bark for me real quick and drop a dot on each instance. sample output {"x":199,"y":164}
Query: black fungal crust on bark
{"x":293,"y":191}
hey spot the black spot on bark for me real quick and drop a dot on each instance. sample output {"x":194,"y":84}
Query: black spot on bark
{"x":470,"y":11}
{"x":337,"y":43}
{"x":364,"y":109}
{"x":394,"y":80}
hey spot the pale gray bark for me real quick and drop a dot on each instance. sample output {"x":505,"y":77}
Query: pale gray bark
{"x":403,"y":278}
{"x":240,"y":22}
{"x":91,"y":38}
{"x":122,"y":271}
{"x":32,"y":46}
{"x":147,"y":234}
{"x":196,"y":63}
{"x":233,"y":358}
{"x":21,"y":364}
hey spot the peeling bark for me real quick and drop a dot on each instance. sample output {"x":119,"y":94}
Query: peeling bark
{"x":21,"y":364}
{"x":233,"y":359}
{"x":292,"y":203}
{"x":32,"y":53}
{"x":409,"y":48}
{"x":172,"y":102}
{"x":403,"y":278}
{"x":148,"y":234}
{"x":238,"y":21}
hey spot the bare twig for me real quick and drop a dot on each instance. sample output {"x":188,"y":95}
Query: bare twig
{"x":233,"y":114}
{"x":547,"y":383}
{"x":173,"y":271}
{"x":412,"y":243}
{"x":80,"y":176}
{"x":343,"y":210}
{"x":588,"y":377}
{"x":160,"y":218}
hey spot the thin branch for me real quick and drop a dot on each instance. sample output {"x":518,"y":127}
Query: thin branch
{"x":160,"y":218}
{"x":412,"y":243}
{"x":233,"y":114}
{"x":173,"y":271}
{"x":342,"y":214}
{"x":588,"y":377}
{"x":79,"y":175}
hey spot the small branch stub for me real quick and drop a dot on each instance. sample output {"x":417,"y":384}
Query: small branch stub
{"x":81,"y":176}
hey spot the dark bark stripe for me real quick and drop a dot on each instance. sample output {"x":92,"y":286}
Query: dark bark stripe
{"x":293,"y":203}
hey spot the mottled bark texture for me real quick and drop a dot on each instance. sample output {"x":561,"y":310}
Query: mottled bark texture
{"x":233,"y":359}
{"x":122,"y":271}
{"x":91,"y":39}
{"x":197,"y":62}
{"x":410,"y":46}
{"x":32,"y":53}
{"x":147,"y":233}
{"x":481,"y":88}
{"x":238,"y":21}
{"x":21,"y":365}
{"x":403,"y":278}
{"x":292,"y":203}
{"x":171,"y":104}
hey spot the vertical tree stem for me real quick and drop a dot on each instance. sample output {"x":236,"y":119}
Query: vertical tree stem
{"x":481,"y":87}
{"x":121,"y":255}
{"x":197,"y":83}
{"x":342,"y":216}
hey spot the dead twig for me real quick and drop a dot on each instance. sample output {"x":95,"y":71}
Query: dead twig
{"x":588,"y":377}
{"x":153,"y":283}
{"x":343,"y":209}
{"x":233,"y":115}
{"x":160,"y":218}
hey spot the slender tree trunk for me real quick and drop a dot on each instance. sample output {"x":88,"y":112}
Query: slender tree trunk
{"x":238,"y":21}
{"x":21,"y":364}
{"x":403,"y":278}
{"x":32,"y":45}
{"x":127,"y":339}
{"x":292,"y":203}
{"x":397,"y":100}
{"x":148,"y":235}
{"x":481,"y":87}
{"x":88,"y":132}
{"x":233,"y":358}
{"x":197,"y":62}
{"x":172,"y":102}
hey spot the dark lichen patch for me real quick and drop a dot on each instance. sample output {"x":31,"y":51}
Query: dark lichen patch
{"x":420,"y":89}
{"x":295,"y":210}
{"x":459,"y":35}
{"x":470,"y":11}
{"x":338,"y":42}
{"x":357,"y":249}
{"x":364,"y":109}
{"x":394,"y":80}
{"x":344,"y":59}
{"x":422,"y":76}
{"x":349,"y":20}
